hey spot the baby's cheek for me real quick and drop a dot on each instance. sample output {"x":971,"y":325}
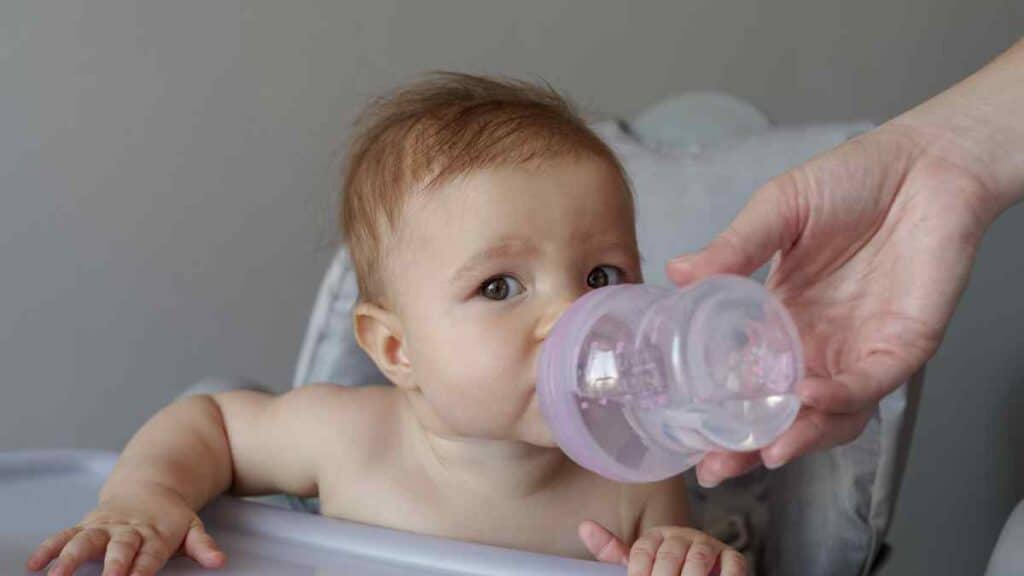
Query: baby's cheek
{"x":495,"y":348}
{"x":487,"y":368}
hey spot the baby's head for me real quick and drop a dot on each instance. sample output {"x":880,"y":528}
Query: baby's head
{"x":475,"y":211}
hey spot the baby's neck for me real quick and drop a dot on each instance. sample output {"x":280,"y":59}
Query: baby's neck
{"x":497,"y":468}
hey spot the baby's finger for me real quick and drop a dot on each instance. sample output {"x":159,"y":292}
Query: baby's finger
{"x":151,"y":557}
{"x":87,"y":544}
{"x":732,"y":563}
{"x":700,"y":558}
{"x":121,"y":552}
{"x":200,"y":546}
{"x":50,"y":548}
{"x":605,"y":546}
{"x":670,"y":557}
{"x":643,"y":553}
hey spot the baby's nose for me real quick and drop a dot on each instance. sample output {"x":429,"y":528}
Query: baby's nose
{"x":551,"y":316}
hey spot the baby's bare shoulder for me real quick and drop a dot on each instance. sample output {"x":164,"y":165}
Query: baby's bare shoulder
{"x":343,"y":423}
{"x":331,"y":409}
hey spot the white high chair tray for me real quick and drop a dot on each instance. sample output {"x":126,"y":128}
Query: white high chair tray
{"x":42,"y":492}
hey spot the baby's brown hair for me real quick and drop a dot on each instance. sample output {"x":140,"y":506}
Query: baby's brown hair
{"x":430,"y":132}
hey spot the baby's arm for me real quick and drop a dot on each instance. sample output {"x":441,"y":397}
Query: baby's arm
{"x":182,"y":458}
{"x":664,"y":545}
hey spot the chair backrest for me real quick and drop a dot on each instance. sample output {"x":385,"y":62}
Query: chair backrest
{"x":826,"y":513}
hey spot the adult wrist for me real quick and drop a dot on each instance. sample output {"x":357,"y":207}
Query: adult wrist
{"x":978,"y":126}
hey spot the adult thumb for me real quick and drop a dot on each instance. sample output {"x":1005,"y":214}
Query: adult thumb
{"x":771,"y":221}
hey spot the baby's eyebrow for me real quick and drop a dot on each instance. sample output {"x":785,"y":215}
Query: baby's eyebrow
{"x":502,"y":250}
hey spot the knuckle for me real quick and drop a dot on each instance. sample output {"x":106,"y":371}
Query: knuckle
{"x":642,"y":557}
{"x":657,"y":534}
{"x":98,"y":519}
{"x":63,"y":535}
{"x":672,"y":554}
{"x":164,"y":533}
{"x":147,"y":531}
{"x":158,"y":549}
{"x":820,"y":421}
{"x":149,"y":558}
{"x":128,"y":537}
{"x":675,"y":543}
{"x":644,"y":549}
{"x":701,"y":553}
{"x":199,"y":532}
{"x":95,"y":537}
{"x":69,"y":556}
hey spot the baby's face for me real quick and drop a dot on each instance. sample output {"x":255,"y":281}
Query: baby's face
{"x":483,"y":267}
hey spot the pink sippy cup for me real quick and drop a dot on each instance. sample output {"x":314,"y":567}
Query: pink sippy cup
{"x":638,"y":382}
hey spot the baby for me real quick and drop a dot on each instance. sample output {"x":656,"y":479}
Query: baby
{"x":475,"y":212}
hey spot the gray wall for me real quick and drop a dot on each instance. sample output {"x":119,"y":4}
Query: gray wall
{"x":167,"y":172}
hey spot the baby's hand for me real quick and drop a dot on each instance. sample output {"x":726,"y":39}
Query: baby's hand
{"x":133,"y":535}
{"x":664,"y":551}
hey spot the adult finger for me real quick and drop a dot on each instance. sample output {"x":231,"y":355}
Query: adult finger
{"x":718,"y":466}
{"x":813,"y":429}
{"x":857,"y":389}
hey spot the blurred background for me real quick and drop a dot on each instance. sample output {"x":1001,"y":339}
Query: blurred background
{"x":168,"y":171}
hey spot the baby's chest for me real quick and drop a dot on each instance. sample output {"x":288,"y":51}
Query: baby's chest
{"x":545,"y":523}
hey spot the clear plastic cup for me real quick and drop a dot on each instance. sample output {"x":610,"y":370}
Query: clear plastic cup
{"x":638,"y":382}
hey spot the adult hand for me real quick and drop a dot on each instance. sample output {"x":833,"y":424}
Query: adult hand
{"x":871,"y":246}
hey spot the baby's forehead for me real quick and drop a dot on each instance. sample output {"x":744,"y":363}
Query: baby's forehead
{"x":514,"y":208}
{"x":491,"y":193}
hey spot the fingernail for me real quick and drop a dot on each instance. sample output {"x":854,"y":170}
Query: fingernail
{"x":806,"y":394}
{"x":772,"y":462}
{"x":707,"y":482}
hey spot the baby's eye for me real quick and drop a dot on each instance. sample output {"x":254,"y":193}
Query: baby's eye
{"x":501,"y":288}
{"x":605,"y":276}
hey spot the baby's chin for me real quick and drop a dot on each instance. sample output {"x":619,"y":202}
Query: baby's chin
{"x":539,"y":434}
{"x":542,"y":439}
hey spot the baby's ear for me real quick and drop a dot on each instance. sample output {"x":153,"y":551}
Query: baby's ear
{"x":379,"y":333}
